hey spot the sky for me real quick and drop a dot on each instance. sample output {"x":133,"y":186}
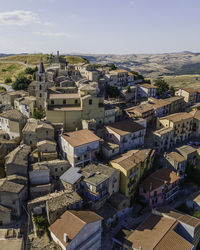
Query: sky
{"x":99,"y":26}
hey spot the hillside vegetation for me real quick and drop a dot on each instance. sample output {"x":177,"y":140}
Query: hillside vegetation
{"x":183,"y":81}
{"x":34,"y":59}
{"x":10,"y":70}
{"x":12,"y":66}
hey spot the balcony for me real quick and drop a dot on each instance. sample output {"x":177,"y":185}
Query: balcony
{"x":133,"y":174}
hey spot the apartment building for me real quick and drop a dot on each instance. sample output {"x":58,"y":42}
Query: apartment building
{"x":189,"y":153}
{"x":189,"y":94}
{"x":163,"y":139}
{"x":133,"y":166}
{"x":127,"y":134}
{"x":159,"y":188}
{"x":144,"y":111}
{"x":182,"y":124}
{"x":196,"y":123}
{"x":177,"y":163}
{"x":79,"y":147}
{"x":146,"y":90}
{"x":99,"y":183}
{"x":176,"y":104}
{"x":119,"y":78}
{"x":160,"y":106}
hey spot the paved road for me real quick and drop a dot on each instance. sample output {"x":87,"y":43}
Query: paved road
{"x":7,"y":87}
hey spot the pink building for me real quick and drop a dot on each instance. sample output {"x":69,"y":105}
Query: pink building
{"x":160,"y":187}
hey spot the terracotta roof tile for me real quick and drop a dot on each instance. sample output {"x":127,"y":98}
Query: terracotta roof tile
{"x":125,"y":127}
{"x":80,"y":137}
{"x":71,"y":223}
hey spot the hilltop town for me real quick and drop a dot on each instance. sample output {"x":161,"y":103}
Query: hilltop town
{"x":93,"y":156}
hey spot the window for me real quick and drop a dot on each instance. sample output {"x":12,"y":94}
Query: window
{"x":40,"y":87}
{"x":85,"y":156}
{"x":78,"y":158}
{"x":90,"y":102}
{"x":76,"y":101}
{"x":56,"y":169}
{"x":40,"y":95}
{"x":47,"y":132}
{"x":64,"y":101}
{"x":52,"y":102}
{"x":62,"y":169}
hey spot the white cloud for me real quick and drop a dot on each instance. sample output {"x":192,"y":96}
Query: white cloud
{"x":17,"y":17}
{"x":52,"y":34}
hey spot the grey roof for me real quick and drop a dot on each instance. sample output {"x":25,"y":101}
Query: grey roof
{"x":4,"y":209}
{"x":12,"y":114}
{"x":11,"y":187}
{"x":19,"y":155}
{"x":71,"y":175}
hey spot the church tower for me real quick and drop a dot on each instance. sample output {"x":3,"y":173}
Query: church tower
{"x":41,"y":87}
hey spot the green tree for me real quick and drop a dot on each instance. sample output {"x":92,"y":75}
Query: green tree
{"x":162,"y":86}
{"x":8,"y":80}
{"x":128,"y":88}
{"x":41,"y":223}
{"x":31,"y":71}
{"x":112,"y":91}
{"x":112,"y":66}
{"x":197,"y":214}
{"x":147,"y":81}
{"x":172,"y":90}
{"x":38,"y":114}
{"x":21,"y":82}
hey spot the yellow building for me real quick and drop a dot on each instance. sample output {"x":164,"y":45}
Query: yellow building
{"x":189,"y":94}
{"x":71,"y":109}
{"x":176,"y":104}
{"x":133,"y":165}
{"x":182,"y":124}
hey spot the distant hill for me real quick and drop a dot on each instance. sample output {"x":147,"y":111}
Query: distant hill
{"x":12,"y":65}
{"x":153,"y":65}
{"x":34,"y":59}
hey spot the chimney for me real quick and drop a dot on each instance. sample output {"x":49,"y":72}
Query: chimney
{"x":58,"y":53}
{"x":66,"y":238}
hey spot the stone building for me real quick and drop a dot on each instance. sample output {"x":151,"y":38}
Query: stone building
{"x":17,"y":161}
{"x":41,"y":87}
{"x":55,"y":204}
{"x":36,"y":131}
{"x":12,"y":122}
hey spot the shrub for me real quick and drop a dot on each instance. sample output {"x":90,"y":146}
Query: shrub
{"x":112,"y":91}
{"x":31,"y":71}
{"x":21,"y":82}
{"x":38,"y":114}
{"x":8,"y":80}
{"x":197,"y":214}
{"x":41,"y":223}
